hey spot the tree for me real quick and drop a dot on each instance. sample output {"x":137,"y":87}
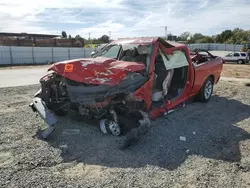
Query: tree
{"x":184,"y":36}
{"x":64,"y":34}
{"x":70,"y":37}
{"x":240,"y":36}
{"x":205,"y":39}
{"x":104,"y":39}
{"x":235,"y":36}
{"x":79,"y":40}
{"x":78,"y":37}
{"x":224,"y":36}
{"x":196,"y":37}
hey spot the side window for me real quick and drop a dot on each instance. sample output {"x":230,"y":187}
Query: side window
{"x":236,"y":54}
{"x":110,"y":51}
{"x":113,"y":52}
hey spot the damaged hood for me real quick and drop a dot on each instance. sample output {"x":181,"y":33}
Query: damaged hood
{"x":105,"y":71}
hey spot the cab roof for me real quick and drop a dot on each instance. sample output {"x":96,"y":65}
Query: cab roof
{"x":146,"y":40}
{"x":142,"y":40}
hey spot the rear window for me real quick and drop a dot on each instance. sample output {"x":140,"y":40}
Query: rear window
{"x":242,"y":54}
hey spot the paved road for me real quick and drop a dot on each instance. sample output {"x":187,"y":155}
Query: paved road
{"x":28,"y":76}
{"x":21,"y":76}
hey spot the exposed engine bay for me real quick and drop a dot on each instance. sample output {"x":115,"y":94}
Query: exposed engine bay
{"x":61,"y":94}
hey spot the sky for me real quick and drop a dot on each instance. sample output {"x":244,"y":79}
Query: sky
{"x":123,"y":18}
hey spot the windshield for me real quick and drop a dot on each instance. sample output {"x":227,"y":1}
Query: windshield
{"x":125,"y":52}
{"x":110,"y":51}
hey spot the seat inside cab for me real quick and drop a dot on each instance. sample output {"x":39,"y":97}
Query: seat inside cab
{"x":137,"y":53}
{"x":170,"y":75}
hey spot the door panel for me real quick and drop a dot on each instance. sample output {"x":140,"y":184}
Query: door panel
{"x":190,"y":75}
{"x":235,"y":57}
{"x":229,"y":57}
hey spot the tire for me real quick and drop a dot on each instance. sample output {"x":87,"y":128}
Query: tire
{"x":240,"y":61}
{"x":206,"y":90}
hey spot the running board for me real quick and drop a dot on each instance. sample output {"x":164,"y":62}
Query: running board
{"x":182,"y":105}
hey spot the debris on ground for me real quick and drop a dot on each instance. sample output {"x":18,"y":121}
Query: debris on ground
{"x":183,"y":138}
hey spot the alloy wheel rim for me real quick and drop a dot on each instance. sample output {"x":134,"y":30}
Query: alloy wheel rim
{"x":208,"y":89}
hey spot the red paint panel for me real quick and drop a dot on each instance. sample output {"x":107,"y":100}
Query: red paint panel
{"x":145,"y":92}
{"x":104,"y":71}
{"x":203,"y":71}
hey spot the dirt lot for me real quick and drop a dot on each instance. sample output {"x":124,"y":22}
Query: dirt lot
{"x":236,"y":71}
{"x":216,"y":152}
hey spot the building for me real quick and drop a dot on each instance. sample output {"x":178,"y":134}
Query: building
{"x":171,"y":37}
{"x":26,"y":35}
{"x":39,"y":40}
{"x":25,"y":39}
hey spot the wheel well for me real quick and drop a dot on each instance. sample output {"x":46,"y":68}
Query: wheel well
{"x":212,"y":76}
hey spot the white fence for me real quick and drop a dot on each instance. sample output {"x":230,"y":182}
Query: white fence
{"x":15,"y":55}
{"x":217,"y":47}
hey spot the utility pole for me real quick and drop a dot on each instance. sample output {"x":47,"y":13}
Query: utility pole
{"x":166,"y":29}
{"x":90,"y":40}
{"x":109,"y":35}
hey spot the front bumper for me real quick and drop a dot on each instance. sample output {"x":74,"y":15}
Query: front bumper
{"x":49,"y":118}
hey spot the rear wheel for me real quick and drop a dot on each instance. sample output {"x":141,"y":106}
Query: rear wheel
{"x":206,"y":90}
{"x":240,"y":61}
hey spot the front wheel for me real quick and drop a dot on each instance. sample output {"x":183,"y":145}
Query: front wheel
{"x":206,"y":90}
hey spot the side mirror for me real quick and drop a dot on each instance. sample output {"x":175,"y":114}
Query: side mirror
{"x":92,"y":53}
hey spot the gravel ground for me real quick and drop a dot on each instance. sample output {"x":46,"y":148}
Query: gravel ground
{"x":236,"y":71}
{"x":216,"y":152}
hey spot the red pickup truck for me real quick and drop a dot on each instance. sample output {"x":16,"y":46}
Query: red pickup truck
{"x":148,"y":76}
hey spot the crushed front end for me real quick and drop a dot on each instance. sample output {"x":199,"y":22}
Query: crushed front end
{"x":109,"y":103}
